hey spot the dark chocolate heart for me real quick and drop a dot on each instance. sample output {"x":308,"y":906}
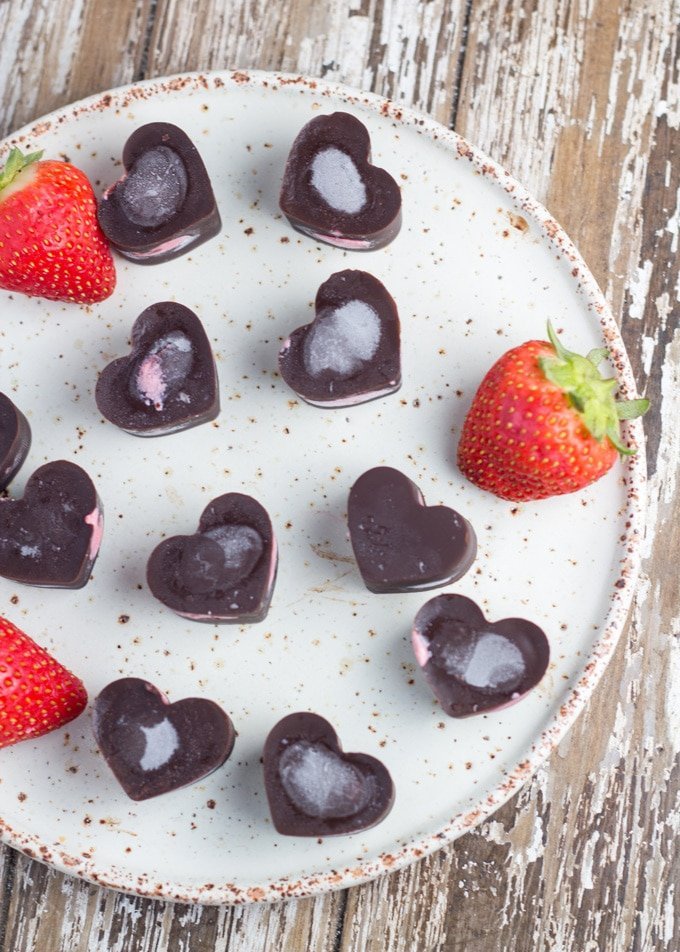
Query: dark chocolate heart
{"x":331,"y":191}
{"x":153,"y":746}
{"x":163,"y":206}
{"x":168,"y":382}
{"x":223,"y":573}
{"x":51,"y":536}
{"x":313,"y":788}
{"x":15,"y":440}
{"x":473,"y":665}
{"x":400,"y":544}
{"x":350,"y":352}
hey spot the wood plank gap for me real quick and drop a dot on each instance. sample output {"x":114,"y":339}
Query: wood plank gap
{"x":340,"y":927}
{"x":460,"y":64}
{"x":9,"y":874}
{"x":148,"y":34}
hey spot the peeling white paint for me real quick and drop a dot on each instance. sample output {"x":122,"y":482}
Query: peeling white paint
{"x":587,"y":864}
{"x":673,"y":687}
{"x":534,"y":849}
{"x":669,"y":916}
{"x":495,"y":832}
{"x":64,"y":60}
{"x":13,"y":31}
{"x":639,"y":289}
{"x":673,"y":224}
{"x":669,"y":450}
{"x":664,"y":309}
{"x":648,"y":348}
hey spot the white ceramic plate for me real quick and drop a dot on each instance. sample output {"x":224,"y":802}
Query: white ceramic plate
{"x":478,"y":267}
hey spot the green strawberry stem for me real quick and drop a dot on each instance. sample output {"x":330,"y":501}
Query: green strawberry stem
{"x":16,"y":162}
{"x":591,"y":394}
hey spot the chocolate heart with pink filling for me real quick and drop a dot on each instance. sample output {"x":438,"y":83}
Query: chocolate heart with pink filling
{"x":400,"y":544}
{"x":168,"y":382}
{"x":164,"y":205}
{"x":225,"y":572}
{"x":153,"y":746}
{"x":473,"y":665}
{"x":331,"y":191}
{"x":350,"y":352}
{"x":51,"y":536}
{"x":313,"y":788}
{"x":15,"y":440}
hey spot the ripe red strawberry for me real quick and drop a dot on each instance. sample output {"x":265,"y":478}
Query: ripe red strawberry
{"x":543,"y":422}
{"x":51,"y":244}
{"x":37,"y":694}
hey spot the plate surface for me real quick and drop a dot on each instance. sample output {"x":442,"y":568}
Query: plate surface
{"x":478,"y":267}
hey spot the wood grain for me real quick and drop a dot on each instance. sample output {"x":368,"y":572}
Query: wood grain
{"x":403,"y":49}
{"x":580,"y":99}
{"x":52,"y":54}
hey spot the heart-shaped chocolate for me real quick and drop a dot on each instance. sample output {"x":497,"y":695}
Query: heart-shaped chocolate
{"x":331,"y":191}
{"x":168,"y":381}
{"x":400,"y":544}
{"x":15,"y":440}
{"x":350,"y":352}
{"x":51,"y":536}
{"x":225,"y":572}
{"x":473,"y":665}
{"x":163,"y":206}
{"x":153,"y":746}
{"x":313,"y":788}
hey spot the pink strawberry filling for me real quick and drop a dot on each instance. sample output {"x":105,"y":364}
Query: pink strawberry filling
{"x":96,"y":520}
{"x":352,"y":244}
{"x":172,"y":244}
{"x":420,"y":648}
{"x":150,"y":382}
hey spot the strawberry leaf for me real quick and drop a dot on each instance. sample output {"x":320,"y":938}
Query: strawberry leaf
{"x":590,"y":394}
{"x":16,"y":162}
{"x":615,"y":437}
{"x":631,"y":409}
{"x":560,"y":349}
{"x":597,"y":355}
{"x":597,"y":416}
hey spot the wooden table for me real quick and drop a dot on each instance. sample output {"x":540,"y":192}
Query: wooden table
{"x":580,"y":100}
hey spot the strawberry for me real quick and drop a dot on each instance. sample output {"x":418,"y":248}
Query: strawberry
{"x":37,"y":694}
{"x":51,"y":244}
{"x":543,"y":422}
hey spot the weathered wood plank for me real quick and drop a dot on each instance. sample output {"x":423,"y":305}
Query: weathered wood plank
{"x":8,"y":861}
{"x":54,"y":913}
{"x":52,"y":54}
{"x":403,"y":49}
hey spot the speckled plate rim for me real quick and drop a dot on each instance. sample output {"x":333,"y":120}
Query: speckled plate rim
{"x":621,"y":595}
